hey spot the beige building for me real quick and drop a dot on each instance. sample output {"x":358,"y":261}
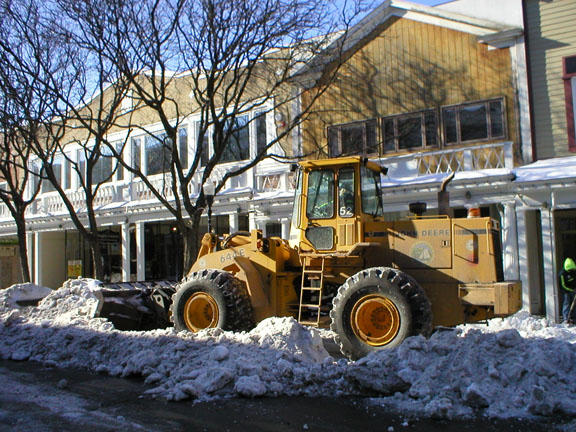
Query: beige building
{"x":430,"y":91}
{"x":426,"y":91}
{"x":551,"y":40}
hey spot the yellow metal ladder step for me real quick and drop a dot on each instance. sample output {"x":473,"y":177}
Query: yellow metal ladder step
{"x":310,"y":309}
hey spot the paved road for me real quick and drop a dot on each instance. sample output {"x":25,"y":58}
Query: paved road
{"x":35,"y":398}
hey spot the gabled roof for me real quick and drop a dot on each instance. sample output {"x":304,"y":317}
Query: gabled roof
{"x":361,"y":33}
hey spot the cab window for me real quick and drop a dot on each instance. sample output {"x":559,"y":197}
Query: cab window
{"x":370,"y":190}
{"x":320,"y":195}
{"x":346,"y":192}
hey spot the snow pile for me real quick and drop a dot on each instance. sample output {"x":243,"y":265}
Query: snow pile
{"x":279,"y":356}
{"x":516,"y":367}
{"x":72,"y":304}
{"x":10,"y":297}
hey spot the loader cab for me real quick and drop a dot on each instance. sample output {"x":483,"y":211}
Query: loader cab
{"x":334,"y":199}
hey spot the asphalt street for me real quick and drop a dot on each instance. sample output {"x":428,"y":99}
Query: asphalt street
{"x":36,"y":398}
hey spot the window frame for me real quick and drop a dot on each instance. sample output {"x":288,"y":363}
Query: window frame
{"x":423,"y":131}
{"x":157,"y":140}
{"x":337,"y":130}
{"x":239,"y":132}
{"x":488,"y":118}
{"x":106,"y":156}
{"x":257,"y":129}
{"x":64,"y":176}
{"x":206,"y":153}
{"x":569,"y":79}
{"x":140,"y":144}
{"x":183,"y":146}
{"x":260,"y":130}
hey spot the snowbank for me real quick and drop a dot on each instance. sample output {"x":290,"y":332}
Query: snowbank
{"x":24,"y":292}
{"x":516,"y":367}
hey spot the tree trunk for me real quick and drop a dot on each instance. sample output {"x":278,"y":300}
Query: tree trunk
{"x":97,"y":257}
{"x":191,"y":239}
{"x":23,"y":249}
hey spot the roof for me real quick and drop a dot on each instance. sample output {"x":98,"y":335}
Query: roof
{"x":359,"y":34}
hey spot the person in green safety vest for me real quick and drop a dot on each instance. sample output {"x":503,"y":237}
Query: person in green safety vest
{"x":568,"y":285}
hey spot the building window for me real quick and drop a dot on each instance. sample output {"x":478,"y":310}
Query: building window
{"x":102,"y":171}
{"x":238,"y":146}
{"x":34,"y":178}
{"x":136,"y":152}
{"x":353,"y":138}
{"x":479,"y":121}
{"x":273,"y":229}
{"x":261,"y":133}
{"x":158,"y":154}
{"x":120,"y":169}
{"x":59,"y":175}
{"x":183,"y":146}
{"x":410,"y":131}
{"x":569,"y":76}
{"x":203,"y":142}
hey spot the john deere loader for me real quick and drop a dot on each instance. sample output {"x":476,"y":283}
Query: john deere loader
{"x":373,"y":282}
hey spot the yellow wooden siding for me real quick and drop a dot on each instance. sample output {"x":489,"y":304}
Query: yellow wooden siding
{"x":410,"y":66}
{"x":551,"y":36}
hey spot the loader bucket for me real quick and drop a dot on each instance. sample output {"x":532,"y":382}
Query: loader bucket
{"x":135,"y":305}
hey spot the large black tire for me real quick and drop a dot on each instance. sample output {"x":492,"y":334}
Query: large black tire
{"x":211,"y":299}
{"x":377,"y":309}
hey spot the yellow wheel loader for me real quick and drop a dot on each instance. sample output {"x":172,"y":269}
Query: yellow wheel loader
{"x":373,"y":282}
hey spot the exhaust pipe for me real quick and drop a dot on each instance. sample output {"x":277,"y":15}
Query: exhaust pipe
{"x":444,"y":196}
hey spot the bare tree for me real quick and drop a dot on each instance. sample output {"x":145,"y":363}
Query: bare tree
{"x":59,"y":88}
{"x":231,"y":57}
{"x":20,"y":185}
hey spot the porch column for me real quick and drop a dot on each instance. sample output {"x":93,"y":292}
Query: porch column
{"x":233,"y":222}
{"x":286,"y":229}
{"x":523,"y":262}
{"x":252,"y":220}
{"x":31,"y":248}
{"x":37,"y":259}
{"x":125,"y":233}
{"x":140,"y":252}
{"x":549,"y":260}
{"x":510,"y":242}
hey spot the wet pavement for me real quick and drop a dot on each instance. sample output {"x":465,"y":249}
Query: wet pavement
{"x":36,"y":398}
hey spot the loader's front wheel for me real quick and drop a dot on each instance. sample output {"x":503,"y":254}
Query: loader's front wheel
{"x":210,"y":299}
{"x":377,"y":309}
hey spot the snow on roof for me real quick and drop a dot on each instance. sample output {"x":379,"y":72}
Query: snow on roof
{"x":544,"y":171}
{"x":547,"y":170}
{"x":459,"y":177}
{"x":520,"y":367}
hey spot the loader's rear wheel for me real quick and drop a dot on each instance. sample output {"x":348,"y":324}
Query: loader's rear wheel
{"x":210,"y":299}
{"x":375,"y":320}
{"x":377,"y":309}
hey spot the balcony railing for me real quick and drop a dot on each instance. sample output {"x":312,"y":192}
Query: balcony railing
{"x":278,"y":178}
{"x":481,"y":157}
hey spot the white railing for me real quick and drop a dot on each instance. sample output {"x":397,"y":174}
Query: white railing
{"x":52,"y":203}
{"x":487,"y":156}
{"x":284,"y":181}
{"x":139,"y":191}
{"x":481,"y":157}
